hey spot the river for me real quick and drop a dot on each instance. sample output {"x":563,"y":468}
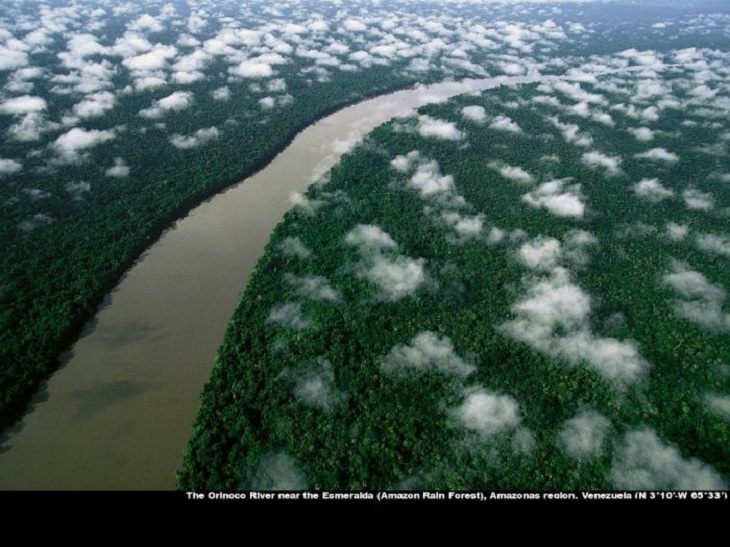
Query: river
{"x":118,"y":413}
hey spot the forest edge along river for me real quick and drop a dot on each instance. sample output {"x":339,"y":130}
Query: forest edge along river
{"x":118,"y":413}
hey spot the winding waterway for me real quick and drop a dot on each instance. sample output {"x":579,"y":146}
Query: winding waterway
{"x":118,"y":413}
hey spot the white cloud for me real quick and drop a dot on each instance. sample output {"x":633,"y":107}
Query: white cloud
{"x":515,"y":174}
{"x":659,"y":154}
{"x":84,"y":45}
{"x":428,"y":179}
{"x":558,"y":199}
{"x":488,"y":413}
{"x":594,"y":159}
{"x":267,"y":103}
{"x":221,"y":94}
{"x":119,"y":170}
{"x":9,"y":167}
{"x":146,"y":22}
{"x":575,"y":92}
{"x":294,"y":247}
{"x":11,"y":59}
{"x":156,"y":59}
{"x":315,"y":287}
{"x":78,"y":189}
{"x":583,"y":436}
{"x":541,"y":253}
{"x":199,"y":138}
{"x":719,"y":404}
{"x":175,"y":102}
{"x":369,"y":237}
{"x":403,"y":164}
{"x":700,"y":300}
{"x":71,"y":145}
{"x":467,"y":226}
{"x":714,"y":244}
{"x":278,"y":471}
{"x":698,"y":200}
{"x":95,"y":104}
{"x":30,"y":127}
{"x":316,"y":387}
{"x":644,"y":462}
{"x":289,"y":315}
{"x":553,"y":318}
{"x":252,"y":69}
{"x":474,"y":113}
{"x":22,"y":105}
{"x":396,"y":277}
{"x":354,"y":25}
{"x":503,"y":123}
{"x":642,"y":134}
{"x":677,"y":232}
{"x":571,"y":133}
{"x":432,"y":127}
{"x":427,"y":351}
{"x":38,"y":220}
{"x":653,"y":190}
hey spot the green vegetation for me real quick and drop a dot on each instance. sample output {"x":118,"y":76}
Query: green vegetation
{"x":379,"y":430}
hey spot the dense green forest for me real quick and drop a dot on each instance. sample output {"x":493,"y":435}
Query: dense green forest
{"x":523,"y":289}
{"x":93,"y":173}
{"x":117,"y":119}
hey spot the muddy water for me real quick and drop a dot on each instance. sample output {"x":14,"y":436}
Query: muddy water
{"x":118,"y":414}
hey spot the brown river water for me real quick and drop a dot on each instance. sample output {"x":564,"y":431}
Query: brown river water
{"x":118,"y":413}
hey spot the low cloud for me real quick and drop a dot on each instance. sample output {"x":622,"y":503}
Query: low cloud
{"x":713,"y":244}
{"x":119,"y":170}
{"x":369,"y":238}
{"x":71,"y":146}
{"x":642,"y":134}
{"x":17,"y":106}
{"x":474,"y":113}
{"x":512,"y":173}
{"x":553,"y":319}
{"x":542,"y":253}
{"x":314,"y":287}
{"x":488,"y":413}
{"x":199,"y":138}
{"x":652,"y":190}
{"x":9,"y":167}
{"x":252,"y":69}
{"x":175,"y":102}
{"x":38,"y":220}
{"x":221,"y":94}
{"x":719,"y":405}
{"x":644,"y":462}
{"x":583,"y":436}
{"x":677,"y":232}
{"x":315,"y":386}
{"x":95,"y":105}
{"x":294,"y":247}
{"x":658,"y":154}
{"x":277,"y":471}
{"x":697,"y":200}
{"x":612,"y":164}
{"x":572,"y":133}
{"x":78,"y":189}
{"x":700,"y":301}
{"x":427,"y":351}
{"x":559,"y":198}
{"x":289,"y":315}
{"x":439,"y":129}
{"x":503,"y":123}
{"x":396,"y":276}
